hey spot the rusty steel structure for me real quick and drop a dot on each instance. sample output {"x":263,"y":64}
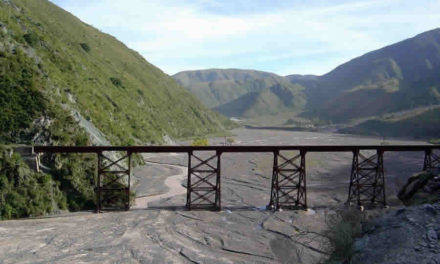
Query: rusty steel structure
{"x":114,"y":176}
{"x":288,"y":184}
{"x":288,"y":181}
{"x":367,"y":181}
{"x":203,"y":184}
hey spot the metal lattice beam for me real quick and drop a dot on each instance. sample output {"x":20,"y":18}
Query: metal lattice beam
{"x":288,"y":182}
{"x":113,"y":182}
{"x":432,"y":160}
{"x":203,"y":186}
{"x":367,"y":181}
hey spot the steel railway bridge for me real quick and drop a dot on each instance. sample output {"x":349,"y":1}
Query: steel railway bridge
{"x":288,"y":186}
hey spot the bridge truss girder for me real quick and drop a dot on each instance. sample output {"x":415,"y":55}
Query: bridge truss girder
{"x":432,"y":160}
{"x":367,"y":181}
{"x":288,"y":188}
{"x":113,"y":182}
{"x":203,"y":183}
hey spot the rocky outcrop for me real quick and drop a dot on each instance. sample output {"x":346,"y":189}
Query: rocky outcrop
{"x":421,"y":188}
{"x":408,"y":235}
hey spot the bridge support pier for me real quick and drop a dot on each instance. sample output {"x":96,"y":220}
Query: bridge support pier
{"x":113,"y":182}
{"x":289,"y":182}
{"x":432,"y":160}
{"x":203,"y":186}
{"x":367,"y":181}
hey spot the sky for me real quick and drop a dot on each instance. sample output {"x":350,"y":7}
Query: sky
{"x":280,"y":36}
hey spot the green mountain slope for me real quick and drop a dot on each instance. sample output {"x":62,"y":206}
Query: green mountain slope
{"x":422,"y":125}
{"x":123,"y":95}
{"x":273,"y":100}
{"x":397,"y":77}
{"x":62,"y":82}
{"x":243,"y":93}
{"x":215,"y":87}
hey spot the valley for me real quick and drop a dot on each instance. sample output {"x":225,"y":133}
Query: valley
{"x":162,"y":230}
{"x":64,"y":82}
{"x":366,"y":95}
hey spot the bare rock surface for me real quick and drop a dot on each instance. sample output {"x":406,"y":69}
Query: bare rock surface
{"x":407,"y":235}
{"x":243,"y":232}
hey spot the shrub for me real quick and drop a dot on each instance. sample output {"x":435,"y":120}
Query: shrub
{"x":20,"y":100}
{"x":116,"y":82}
{"x":434,"y":141}
{"x":24,"y":192}
{"x":85,"y":47}
{"x":200,"y":142}
{"x":31,"y":38}
{"x":230,"y":141}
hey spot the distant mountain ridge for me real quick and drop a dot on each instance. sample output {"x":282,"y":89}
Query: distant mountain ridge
{"x":247,"y":93}
{"x":268,"y":101}
{"x":398,"y":77}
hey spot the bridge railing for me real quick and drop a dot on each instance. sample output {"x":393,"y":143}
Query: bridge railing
{"x":288,"y":185}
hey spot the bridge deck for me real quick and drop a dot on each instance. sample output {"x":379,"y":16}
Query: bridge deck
{"x":288,"y":186}
{"x":244,"y":148}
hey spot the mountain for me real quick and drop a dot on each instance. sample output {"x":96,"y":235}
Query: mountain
{"x":397,"y":77}
{"x":63,"y":82}
{"x":243,"y":93}
{"x":404,"y":77}
{"x":425,"y":124}
{"x":269,"y":101}
{"x":91,"y":74}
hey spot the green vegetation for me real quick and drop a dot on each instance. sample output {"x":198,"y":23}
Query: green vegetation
{"x":400,"y":77}
{"x":44,"y":59}
{"x":270,"y":101}
{"x":423,"y":125}
{"x":243,"y":93}
{"x":230,"y":141}
{"x":200,"y":142}
{"x":397,"y":77}
{"x":434,"y":141}
{"x":29,"y":115}
{"x":116,"y":82}
{"x":59,"y":46}
{"x":24,"y":192}
{"x":20,"y":98}
{"x":48,"y":67}
{"x":31,"y":38}
{"x":85,"y":47}
{"x":343,"y":228}
{"x":216,"y":87}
